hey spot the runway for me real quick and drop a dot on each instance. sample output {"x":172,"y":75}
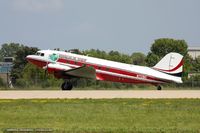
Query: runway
{"x":99,"y":94}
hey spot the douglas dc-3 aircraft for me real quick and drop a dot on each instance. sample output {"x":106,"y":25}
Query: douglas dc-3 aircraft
{"x":70,"y":66}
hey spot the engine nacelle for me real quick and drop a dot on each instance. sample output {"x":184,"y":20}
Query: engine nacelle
{"x":58,"y":70}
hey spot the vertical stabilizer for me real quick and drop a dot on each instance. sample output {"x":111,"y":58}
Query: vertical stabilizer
{"x":171,"y":64}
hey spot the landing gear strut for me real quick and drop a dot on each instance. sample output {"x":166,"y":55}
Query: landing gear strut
{"x":67,"y":86}
{"x":159,"y":87}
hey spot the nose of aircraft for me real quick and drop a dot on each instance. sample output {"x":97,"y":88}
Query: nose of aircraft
{"x":36,"y":60}
{"x":29,"y":58}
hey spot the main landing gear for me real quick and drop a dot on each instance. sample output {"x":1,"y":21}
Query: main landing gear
{"x":159,"y":87}
{"x":67,"y":85}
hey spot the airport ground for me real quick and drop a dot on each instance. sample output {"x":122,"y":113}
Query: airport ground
{"x":138,"y":87}
{"x":102,"y":115}
{"x":98,"y":94}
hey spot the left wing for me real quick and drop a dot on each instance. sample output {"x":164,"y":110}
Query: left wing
{"x":80,"y":72}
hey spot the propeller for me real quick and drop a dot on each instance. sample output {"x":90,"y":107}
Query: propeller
{"x":51,"y":58}
{"x":46,"y":69}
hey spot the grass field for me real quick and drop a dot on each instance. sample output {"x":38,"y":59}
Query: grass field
{"x":103,"y":116}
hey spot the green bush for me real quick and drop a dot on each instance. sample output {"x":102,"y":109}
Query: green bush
{"x":2,"y":84}
{"x":22,"y":83}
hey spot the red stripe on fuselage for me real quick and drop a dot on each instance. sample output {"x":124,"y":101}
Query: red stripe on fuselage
{"x":113,"y":78}
{"x":38,"y":63}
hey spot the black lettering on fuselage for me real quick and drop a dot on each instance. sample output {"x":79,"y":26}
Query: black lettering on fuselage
{"x":67,"y":57}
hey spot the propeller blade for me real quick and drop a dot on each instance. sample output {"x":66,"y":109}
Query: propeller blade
{"x":46,"y":69}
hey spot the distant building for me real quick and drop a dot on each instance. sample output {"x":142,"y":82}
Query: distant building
{"x":6,"y":65}
{"x":194,"y":52}
{"x":5,"y":69}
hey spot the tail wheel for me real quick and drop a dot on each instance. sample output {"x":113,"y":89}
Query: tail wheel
{"x":159,"y":87}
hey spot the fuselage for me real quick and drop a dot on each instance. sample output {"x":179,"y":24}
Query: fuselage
{"x":105,"y":69}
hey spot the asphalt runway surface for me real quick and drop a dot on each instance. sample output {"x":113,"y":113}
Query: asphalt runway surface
{"x":99,"y":94}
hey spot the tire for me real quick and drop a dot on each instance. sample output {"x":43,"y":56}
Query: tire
{"x":159,"y":88}
{"x":63,"y":86}
{"x":70,"y":86}
{"x":66,"y":86}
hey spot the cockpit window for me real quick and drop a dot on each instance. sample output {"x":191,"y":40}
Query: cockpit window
{"x":39,"y":54}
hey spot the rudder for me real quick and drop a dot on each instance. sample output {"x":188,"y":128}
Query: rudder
{"x":172,"y":64}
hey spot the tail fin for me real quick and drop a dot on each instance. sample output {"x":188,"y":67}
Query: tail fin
{"x":171,"y":64}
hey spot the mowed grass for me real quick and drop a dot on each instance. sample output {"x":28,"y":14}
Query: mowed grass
{"x":103,"y":116}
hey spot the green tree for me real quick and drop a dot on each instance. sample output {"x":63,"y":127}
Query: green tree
{"x":138,"y":59}
{"x":196,"y":64}
{"x":1,"y":82}
{"x":33,"y":75}
{"x":152,"y":59}
{"x":96,"y":53}
{"x":9,"y":50}
{"x":163,"y":46}
{"x":124,"y":58}
{"x":20,"y":60}
{"x":114,"y":55}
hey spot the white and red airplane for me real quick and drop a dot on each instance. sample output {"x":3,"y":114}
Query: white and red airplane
{"x":70,"y":66}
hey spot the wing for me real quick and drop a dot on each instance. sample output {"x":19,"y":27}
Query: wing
{"x":83,"y":72}
{"x":79,"y":72}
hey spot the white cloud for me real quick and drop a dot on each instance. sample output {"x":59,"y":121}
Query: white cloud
{"x":38,"y":5}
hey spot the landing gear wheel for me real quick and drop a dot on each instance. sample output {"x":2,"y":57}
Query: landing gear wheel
{"x":66,"y":86}
{"x":159,"y":88}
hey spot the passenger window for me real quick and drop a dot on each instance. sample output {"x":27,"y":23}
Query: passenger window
{"x":42,"y":54}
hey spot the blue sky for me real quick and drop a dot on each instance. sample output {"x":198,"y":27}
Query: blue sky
{"x":124,"y":25}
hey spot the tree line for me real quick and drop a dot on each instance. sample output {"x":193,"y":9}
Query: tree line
{"x":25,"y":74}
